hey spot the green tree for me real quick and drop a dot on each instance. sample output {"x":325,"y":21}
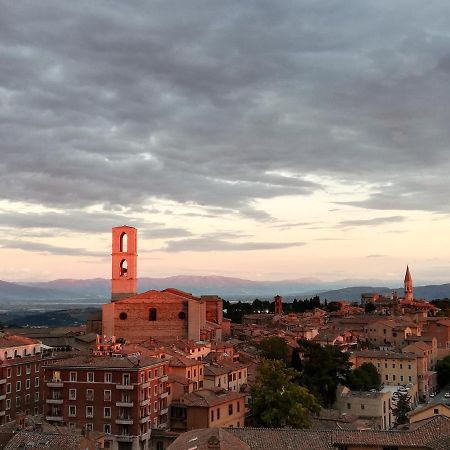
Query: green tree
{"x":370,"y":307}
{"x":443,"y":371}
{"x":323,"y":369}
{"x":274,"y":348}
{"x":364,"y":378}
{"x":277,"y":400}
{"x":402,"y":408}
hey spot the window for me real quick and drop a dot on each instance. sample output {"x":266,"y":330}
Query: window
{"x":238,"y":406}
{"x":108,"y":377}
{"x":90,"y":377}
{"x":28,"y":369}
{"x":17,"y":401}
{"x":123,"y":268}
{"x":393,"y":377}
{"x":107,"y":412}
{"x":36,"y":397}
{"x":36,"y":367}
{"x":8,"y":404}
{"x":393,"y":366}
{"x":409,"y":378}
{"x":89,"y":427}
{"x":123,"y":316}
{"x":436,"y":411}
{"x":89,"y":411}
{"x":19,"y":371}
{"x":73,"y":376}
{"x":386,"y":377}
{"x":155,"y":406}
{"x":155,"y":390}
{"x":56,"y":376}
{"x":126,"y":379}
{"x":212,"y":415}
{"x":409,"y":366}
{"x":182,"y":315}
{"x":107,"y":428}
{"x":27,"y":383}
{"x":27,"y":399}
{"x":36,"y":382}
{"x":218,"y":413}
{"x":362,"y":406}
{"x":8,"y":372}
{"x":230,"y":410}
{"x":18,"y":385}
{"x":72,"y":394}
{"x":8,"y":388}
{"x":107,"y":396}
{"x":72,"y":411}
{"x":89,"y":395}
{"x":152,"y":314}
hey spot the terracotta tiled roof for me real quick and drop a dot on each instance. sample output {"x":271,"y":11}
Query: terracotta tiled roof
{"x":8,"y":340}
{"x":208,"y":438}
{"x":385,"y":355}
{"x":93,"y":362}
{"x":430,"y":435}
{"x":285,"y":439}
{"x":41,"y":441}
{"x":210,"y":397}
{"x":182,"y":361}
{"x":166,"y":294}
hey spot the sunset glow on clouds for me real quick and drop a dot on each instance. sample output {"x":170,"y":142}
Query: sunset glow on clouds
{"x":265,"y":140}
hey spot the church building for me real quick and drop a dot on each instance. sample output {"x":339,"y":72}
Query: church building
{"x":166,"y":314}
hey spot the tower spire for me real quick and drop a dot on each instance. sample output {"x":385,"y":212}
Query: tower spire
{"x":409,"y":294}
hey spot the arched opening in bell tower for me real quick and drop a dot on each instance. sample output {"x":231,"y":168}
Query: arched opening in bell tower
{"x":124,"y":242}
{"x":123,"y":268}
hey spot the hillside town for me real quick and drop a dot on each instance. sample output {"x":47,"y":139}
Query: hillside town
{"x":167,"y":370}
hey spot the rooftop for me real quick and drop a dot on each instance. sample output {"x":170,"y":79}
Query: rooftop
{"x":103,"y":362}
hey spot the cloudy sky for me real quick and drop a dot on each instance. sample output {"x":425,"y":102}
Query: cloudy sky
{"x":260,"y":139}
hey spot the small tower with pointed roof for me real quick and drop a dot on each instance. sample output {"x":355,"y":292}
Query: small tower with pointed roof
{"x":278,"y":304}
{"x":409,"y":294}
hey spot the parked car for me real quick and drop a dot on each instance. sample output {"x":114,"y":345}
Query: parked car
{"x":447,"y":395}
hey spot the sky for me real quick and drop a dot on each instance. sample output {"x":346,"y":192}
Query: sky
{"x":259,"y":139}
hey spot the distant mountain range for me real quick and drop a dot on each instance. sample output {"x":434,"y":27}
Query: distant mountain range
{"x":227,"y":287}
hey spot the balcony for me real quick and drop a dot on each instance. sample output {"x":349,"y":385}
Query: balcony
{"x":164,"y":394}
{"x":54,"y":401}
{"x":2,"y":397}
{"x":125,"y":404}
{"x":2,"y":413}
{"x":54,"y":418}
{"x":164,"y":379}
{"x":124,"y":421}
{"x":127,"y":387}
{"x":2,"y":380}
{"x":124,"y":438}
{"x":144,"y":402}
{"x":145,"y":436}
{"x":55,"y":384}
{"x":144,"y":419}
{"x":163,"y":411}
{"x":146,"y":384}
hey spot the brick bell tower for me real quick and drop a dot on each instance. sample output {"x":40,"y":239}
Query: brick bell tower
{"x":278,"y":304}
{"x":124,"y":262}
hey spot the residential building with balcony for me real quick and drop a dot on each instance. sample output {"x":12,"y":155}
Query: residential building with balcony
{"x":123,"y":397}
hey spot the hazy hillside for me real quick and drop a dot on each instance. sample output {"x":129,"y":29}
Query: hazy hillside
{"x":98,"y":289}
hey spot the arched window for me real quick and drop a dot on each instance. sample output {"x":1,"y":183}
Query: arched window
{"x":123,"y":268}
{"x":124,"y":242}
{"x":152,"y":314}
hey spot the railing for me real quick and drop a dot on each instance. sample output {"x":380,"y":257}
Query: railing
{"x":125,"y":404}
{"x":124,"y":438}
{"x":54,"y":418}
{"x":55,"y":383}
{"x":124,"y":421}
{"x":144,"y":402}
{"x":128,"y":387}
{"x":54,"y":401}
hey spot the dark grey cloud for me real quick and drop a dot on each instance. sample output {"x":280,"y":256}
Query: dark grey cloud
{"x":48,"y":248}
{"x":223,"y":103}
{"x":210,"y":244}
{"x":375,"y":221}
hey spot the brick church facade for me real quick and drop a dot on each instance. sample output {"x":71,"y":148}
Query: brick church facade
{"x":154,"y":314}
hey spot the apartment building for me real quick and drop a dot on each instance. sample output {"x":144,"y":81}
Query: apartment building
{"x":225,"y":374}
{"x":21,"y":376}
{"x":375,"y":406}
{"x":123,"y":397}
{"x":206,"y":408}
